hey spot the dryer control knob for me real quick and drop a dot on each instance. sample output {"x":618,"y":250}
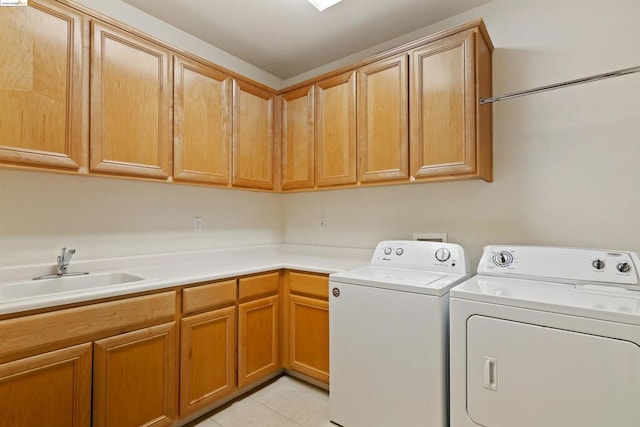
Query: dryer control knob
{"x":598,"y":264}
{"x":503,"y":259}
{"x":387,"y":251}
{"x":624,"y":267}
{"x":443,"y":254}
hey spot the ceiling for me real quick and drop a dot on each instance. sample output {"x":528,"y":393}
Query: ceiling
{"x":289,"y":37}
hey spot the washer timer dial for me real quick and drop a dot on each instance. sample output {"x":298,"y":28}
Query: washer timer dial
{"x":443,"y":254}
{"x":503,"y":259}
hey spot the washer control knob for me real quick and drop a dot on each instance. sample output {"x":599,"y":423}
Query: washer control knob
{"x":598,"y":264}
{"x":399,"y":251}
{"x":503,"y":259}
{"x":443,"y":254}
{"x":387,"y":251}
{"x":624,"y":267}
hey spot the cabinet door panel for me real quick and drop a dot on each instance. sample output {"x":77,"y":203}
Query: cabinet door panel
{"x":258,"y":354}
{"x":252,"y":137}
{"x":207,"y":371}
{"x":309,"y":337}
{"x":130,"y":95}
{"x":135,"y":378}
{"x":202,"y":122}
{"x":383,"y":120}
{"x":298,"y":140}
{"x":336,"y":130}
{"x":52,"y":389}
{"x":443,"y":102}
{"x":41,"y":103}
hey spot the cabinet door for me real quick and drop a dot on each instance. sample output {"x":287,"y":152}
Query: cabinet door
{"x":41,"y":111}
{"x":298,"y":140}
{"x":202,"y":123}
{"x":130,"y":95}
{"x":336,"y":130}
{"x":309,"y":337}
{"x":134,"y":378}
{"x":443,"y":103}
{"x":383,"y":120}
{"x":207,"y":367}
{"x":252,"y":136}
{"x":258,"y":354}
{"x":52,"y":389}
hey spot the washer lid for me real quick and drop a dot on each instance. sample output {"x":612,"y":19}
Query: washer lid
{"x":400,"y":279}
{"x":594,"y":301}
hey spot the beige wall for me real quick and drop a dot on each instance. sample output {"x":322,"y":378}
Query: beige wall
{"x":104,"y":217}
{"x":566,"y":162}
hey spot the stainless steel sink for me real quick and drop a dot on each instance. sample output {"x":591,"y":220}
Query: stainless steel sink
{"x":37,"y":288}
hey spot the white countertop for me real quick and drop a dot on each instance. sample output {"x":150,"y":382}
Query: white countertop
{"x":181,"y":268}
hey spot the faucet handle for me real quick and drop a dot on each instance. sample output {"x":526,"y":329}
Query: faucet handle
{"x":63,"y":251}
{"x":68,"y":255}
{"x":65,"y":256}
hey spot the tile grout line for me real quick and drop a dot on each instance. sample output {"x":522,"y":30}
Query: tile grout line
{"x":277,"y":412}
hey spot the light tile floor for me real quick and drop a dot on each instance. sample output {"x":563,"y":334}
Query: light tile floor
{"x":287,"y":402}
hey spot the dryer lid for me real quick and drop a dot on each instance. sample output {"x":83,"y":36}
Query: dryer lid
{"x":585,"y":300}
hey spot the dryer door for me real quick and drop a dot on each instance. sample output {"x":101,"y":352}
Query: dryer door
{"x":530,"y":376}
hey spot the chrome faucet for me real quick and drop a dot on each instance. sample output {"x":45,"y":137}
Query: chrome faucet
{"x":64,"y":259}
{"x":63,"y":263}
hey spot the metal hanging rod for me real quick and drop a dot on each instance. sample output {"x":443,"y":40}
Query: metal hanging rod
{"x":561,"y":85}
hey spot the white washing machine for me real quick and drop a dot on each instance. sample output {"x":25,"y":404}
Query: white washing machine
{"x":547,"y":337}
{"x":388,"y":328}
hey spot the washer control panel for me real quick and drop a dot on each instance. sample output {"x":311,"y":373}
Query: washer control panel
{"x":432,"y":256}
{"x":557,"y":264}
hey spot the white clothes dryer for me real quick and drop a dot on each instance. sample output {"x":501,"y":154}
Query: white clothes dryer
{"x":547,"y":337}
{"x":388,"y":330}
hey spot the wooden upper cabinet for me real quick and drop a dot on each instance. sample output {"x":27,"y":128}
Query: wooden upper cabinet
{"x":336,"y":130}
{"x":383,"y":120}
{"x":444,"y":93}
{"x":202,"y":122}
{"x":41,"y":89}
{"x":130,"y":97}
{"x":253,"y":140}
{"x":298,"y":140}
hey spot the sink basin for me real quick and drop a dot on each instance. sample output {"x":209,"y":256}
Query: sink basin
{"x":37,"y":288}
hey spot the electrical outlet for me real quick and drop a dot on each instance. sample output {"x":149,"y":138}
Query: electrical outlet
{"x":323,"y":223}
{"x":197,"y":224}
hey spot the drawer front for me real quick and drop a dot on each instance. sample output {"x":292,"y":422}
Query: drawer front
{"x":258,"y":286}
{"x":38,"y":333}
{"x":208,"y":296}
{"x":309,"y":284}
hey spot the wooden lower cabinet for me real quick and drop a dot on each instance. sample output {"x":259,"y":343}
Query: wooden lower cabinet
{"x":258,"y":340}
{"x":309,"y":337}
{"x":306,"y":329}
{"x":208,"y":355}
{"x":52,"y":389}
{"x":134,"y":378}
